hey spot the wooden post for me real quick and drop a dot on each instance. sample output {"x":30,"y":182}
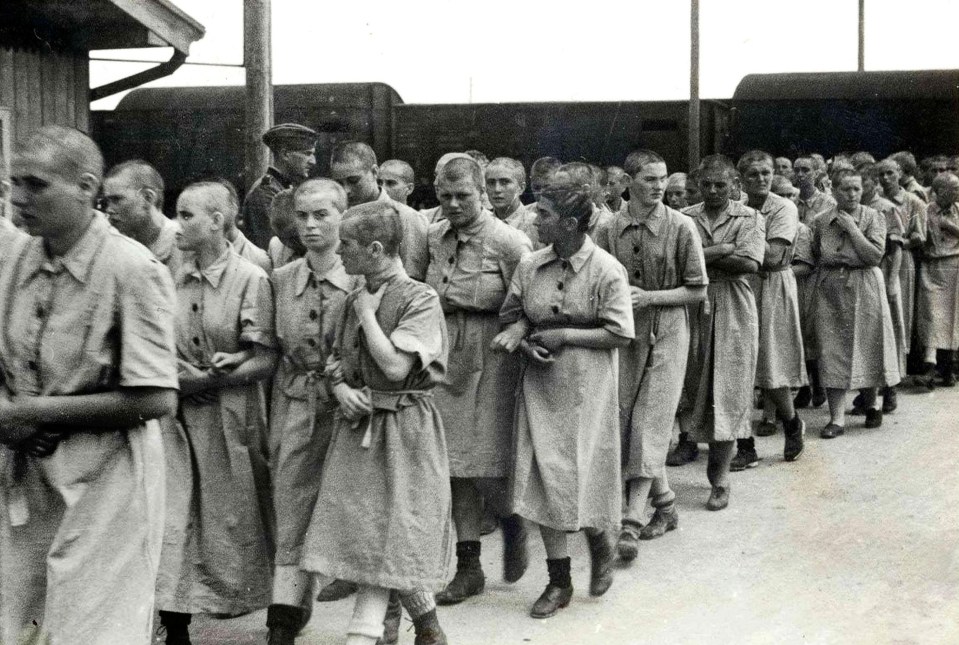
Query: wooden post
{"x":693,"y":155}
{"x":862,"y":35}
{"x":258,"y":60}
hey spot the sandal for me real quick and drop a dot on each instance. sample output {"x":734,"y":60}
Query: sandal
{"x":628,"y":545}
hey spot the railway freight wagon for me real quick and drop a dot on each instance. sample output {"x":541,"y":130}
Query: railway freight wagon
{"x":190,"y":133}
{"x":194,"y":132}
{"x":882,"y":112}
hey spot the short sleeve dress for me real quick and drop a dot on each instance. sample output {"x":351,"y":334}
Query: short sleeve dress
{"x":566,"y":473}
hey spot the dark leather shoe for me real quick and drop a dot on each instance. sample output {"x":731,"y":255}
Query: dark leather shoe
{"x":515,"y":555}
{"x":718,"y":498}
{"x":551,"y":601}
{"x":336,"y":590}
{"x":818,"y":397}
{"x":428,"y":630}
{"x":465,"y":584}
{"x":601,"y":563}
{"x":661,"y":522}
{"x":873,"y":418}
{"x":831,"y":431}
{"x":628,"y":545}
{"x":890,"y":400}
{"x":684,"y":453}
{"x":795,"y":440}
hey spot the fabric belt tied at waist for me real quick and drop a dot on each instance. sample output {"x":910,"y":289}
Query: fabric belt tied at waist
{"x":766,"y":272}
{"x":389,"y":401}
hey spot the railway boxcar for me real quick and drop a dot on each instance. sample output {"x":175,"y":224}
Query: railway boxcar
{"x":195,"y":132}
{"x":881,"y":112}
{"x":601,"y":133}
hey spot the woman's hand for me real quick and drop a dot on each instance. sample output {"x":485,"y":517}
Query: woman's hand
{"x":367,"y":303}
{"x":537,"y":354}
{"x":223,"y":362}
{"x":549,"y":339}
{"x":639,"y":297}
{"x":354,"y":403}
{"x":508,"y":339}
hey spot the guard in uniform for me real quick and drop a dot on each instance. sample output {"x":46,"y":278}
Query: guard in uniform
{"x":293,"y":147}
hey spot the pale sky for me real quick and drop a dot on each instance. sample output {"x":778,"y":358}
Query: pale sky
{"x":437,"y":51}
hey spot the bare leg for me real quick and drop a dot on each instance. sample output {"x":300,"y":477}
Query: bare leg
{"x":638,"y":493}
{"x":782,"y":402}
{"x":717,"y":468}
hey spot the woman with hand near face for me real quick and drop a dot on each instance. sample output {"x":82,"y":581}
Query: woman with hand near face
{"x":382,"y":517}
{"x":853,"y":324}
{"x":568,"y":310}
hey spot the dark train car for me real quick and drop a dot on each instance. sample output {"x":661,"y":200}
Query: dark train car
{"x":602,"y":133}
{"x":195,"y":132}
{"x":881,"y":112}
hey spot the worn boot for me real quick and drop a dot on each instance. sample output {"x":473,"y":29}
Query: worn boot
{"x":392,"y":620}
{"x":795,"y":431}
{"x":890,"y":400}
{"x":469,"y":579}
{"x":177,"y":627}
{"x":515,"y":557}
{"x":601,"y":562}
{"x":746,"y":456}
{"x":428,"y":630}
{"x":665,"y":518}
{"x":284,"y":623}
{"x":684,"y":452}
{"x":558,"y":592}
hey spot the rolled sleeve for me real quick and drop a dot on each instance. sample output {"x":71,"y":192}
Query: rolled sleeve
{"x":691,"y":257}
{"x":146,"y":322}
{"x":783,"y":224}
{"x":420,"y":330}
{"x":615,"y":310}
{"x":751,"y":239}
{"x":256,"y":313}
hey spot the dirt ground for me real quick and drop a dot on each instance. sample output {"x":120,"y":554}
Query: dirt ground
{"x":857,"y":542}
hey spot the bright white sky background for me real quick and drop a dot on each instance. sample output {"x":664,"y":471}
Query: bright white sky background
{"x":447,"y":51}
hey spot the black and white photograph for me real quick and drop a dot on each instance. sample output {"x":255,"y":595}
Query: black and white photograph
{"x":433,"y":323}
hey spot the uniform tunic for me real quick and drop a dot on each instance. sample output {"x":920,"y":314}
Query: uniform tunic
{"x":781,"y":361}
{"x":382,"y":517}
{"x":938,"y":310}
{"x":852,"y":321}
{"x":895,"y":236}
{"x":80,"y":530}
{"x":308,"y":306}
{"x":725,"y":332}
{"x":660,"y":251}
{"x":912,"y":211}
{"x":251,"y":252}
{"x":566,"y":473}
{"x":255,"y":215}
{"x":413,"y":251}
{"x":217,"y":550}
{"x":471,"y":271}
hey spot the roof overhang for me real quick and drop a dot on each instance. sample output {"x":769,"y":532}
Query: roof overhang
{"x":863,"y":86}
{"x":98,"y":24}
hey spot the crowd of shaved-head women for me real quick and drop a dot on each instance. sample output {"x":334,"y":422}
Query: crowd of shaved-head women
{"x":322,"y":392}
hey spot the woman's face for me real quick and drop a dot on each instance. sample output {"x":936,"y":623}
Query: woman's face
{"x":848,"y":193}
{"x":549,"y":224}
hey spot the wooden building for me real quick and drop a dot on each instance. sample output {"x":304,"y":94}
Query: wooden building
{"x":44,"y":56}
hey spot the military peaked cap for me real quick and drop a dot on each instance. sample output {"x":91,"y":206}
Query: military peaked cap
{"x":290,"y":136}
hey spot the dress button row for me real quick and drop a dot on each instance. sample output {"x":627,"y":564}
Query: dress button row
{"x":313,"y":314}
{"x":195,"y":307}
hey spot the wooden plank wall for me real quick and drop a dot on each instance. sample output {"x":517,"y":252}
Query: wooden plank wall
{"x":43,"y":88}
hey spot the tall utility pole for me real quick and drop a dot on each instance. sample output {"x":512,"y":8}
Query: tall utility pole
{"x":258,"y":59}
{"x":693,"y":154}
{"x":862,"y":35}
